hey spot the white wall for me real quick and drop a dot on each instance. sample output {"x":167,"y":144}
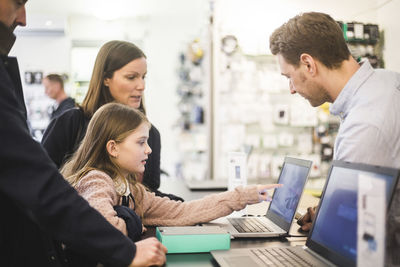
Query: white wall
{"x":389,"y":22}
{"x":174,"y":24}
{"x":252,"y":21}
{"x":47,"y":53}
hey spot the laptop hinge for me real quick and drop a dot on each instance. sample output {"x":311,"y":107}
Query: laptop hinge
{"x":316,"y":255}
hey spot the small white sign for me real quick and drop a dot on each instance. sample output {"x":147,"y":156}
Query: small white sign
{"x":237,"y":174}
{"x":371,"y":221}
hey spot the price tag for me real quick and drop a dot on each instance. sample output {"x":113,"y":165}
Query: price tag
{"x":371,"y":221}
{"x":237,"y":174}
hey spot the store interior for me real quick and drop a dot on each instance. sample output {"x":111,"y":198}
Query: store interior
{"x":212,"y":86}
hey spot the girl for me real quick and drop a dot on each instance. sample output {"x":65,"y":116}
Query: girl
{"x":113,"y":150}
{"x":118,"y":75}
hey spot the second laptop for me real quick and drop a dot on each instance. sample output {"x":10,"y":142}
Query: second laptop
{"x":282,"y":208}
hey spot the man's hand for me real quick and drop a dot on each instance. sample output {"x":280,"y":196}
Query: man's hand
{"x":307,"y":219}
{"x":149,"y":252}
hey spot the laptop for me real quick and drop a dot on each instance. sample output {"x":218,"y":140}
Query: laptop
{"x":333,"y":237}
{"x":282,"y":208}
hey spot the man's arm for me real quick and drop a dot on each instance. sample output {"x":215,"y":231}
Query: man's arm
{"x":29,"y":178}
{"x":360,"y":142}
{"x":363,"y":143}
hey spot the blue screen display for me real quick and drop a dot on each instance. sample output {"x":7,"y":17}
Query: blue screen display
{"x":336,"y":225}
{"x":286,"y":198}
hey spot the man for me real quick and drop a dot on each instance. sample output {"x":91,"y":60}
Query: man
{"x":54,"y":88}
{"x":36,"y":203}
{"x":313,"y":55}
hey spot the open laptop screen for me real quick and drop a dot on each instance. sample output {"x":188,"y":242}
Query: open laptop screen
{"x":285,"y":200}
{"x":335,"y":227}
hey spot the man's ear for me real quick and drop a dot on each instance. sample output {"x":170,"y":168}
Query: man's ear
{"x":112,"y":148}
{"x":309,"y":64}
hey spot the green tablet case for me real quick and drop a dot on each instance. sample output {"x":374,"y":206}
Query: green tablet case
{"x":193,"y":239}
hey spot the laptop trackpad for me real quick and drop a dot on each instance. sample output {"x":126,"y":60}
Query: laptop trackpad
{"x":240,"y":261}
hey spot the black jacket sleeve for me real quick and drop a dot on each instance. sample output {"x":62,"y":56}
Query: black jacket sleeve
{"x":65,"y":105}
{"x":132,"y":221}
{"x":151,"y":176}
{"x":64,"y":134}
{"x":30,"y":179}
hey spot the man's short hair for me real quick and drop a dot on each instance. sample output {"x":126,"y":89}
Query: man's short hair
{"x":56,"y":78}
{"x":314,"y":33}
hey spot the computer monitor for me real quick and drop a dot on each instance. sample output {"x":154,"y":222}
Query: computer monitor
{"x":293,"y":178}
{"x":284,"y":203}
{"x":334,"y":232}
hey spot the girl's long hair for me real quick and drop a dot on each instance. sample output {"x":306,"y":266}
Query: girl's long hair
{"x":112,"y":121}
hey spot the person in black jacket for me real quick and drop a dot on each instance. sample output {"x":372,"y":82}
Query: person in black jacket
{"x":54,"y":88}
{"x":39,"y":208}
{"x":118,"y":75}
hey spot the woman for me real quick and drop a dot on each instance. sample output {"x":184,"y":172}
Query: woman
{"x":113,"y":150}
{"x":118,"y":75}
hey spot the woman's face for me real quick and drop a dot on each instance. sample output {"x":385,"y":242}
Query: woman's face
{"x":127,"y":84}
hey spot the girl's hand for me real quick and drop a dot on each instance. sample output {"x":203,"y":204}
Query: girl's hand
{"x":262,"y":191}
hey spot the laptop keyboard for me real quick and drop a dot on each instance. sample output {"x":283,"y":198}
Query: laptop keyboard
{"x":280,"y":257}
{"x":248,"y":225}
